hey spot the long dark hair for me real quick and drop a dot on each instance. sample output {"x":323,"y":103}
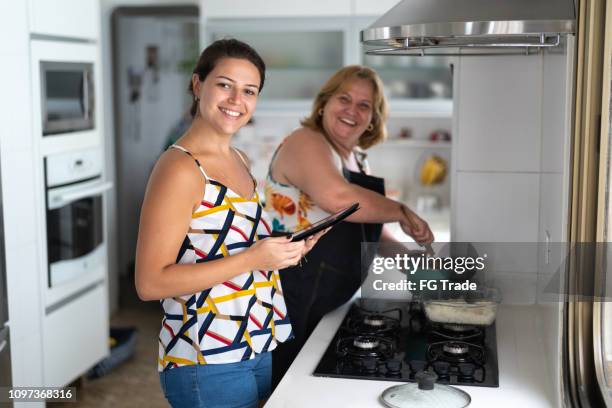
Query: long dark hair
{"x":225,"y":48}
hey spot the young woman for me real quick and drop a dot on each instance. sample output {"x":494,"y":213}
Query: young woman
{"x":204,"y":248}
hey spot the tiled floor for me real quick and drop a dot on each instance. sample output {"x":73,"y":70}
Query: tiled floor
{"x":135,"y":383}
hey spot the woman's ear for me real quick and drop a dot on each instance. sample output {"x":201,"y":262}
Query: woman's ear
{"x":195,"y":84}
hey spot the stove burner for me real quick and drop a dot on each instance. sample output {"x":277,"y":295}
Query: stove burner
{"x":367,"y":323}
{"x":456,"y":352}
{"x":458,"y":332}
{"x":374,"y":320}
{"x":455,"y":348}
{"x":457,"y":327}
{"x":366,"y":343}
{"x":359,"y":349}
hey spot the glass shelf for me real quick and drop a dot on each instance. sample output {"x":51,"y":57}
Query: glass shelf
{"x":413,"y":77}
{"x":297,"y":62}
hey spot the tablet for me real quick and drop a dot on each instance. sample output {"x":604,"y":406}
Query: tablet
{"x":324,"y":223}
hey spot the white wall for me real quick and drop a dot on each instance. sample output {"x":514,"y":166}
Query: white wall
{"x":19,"y":186}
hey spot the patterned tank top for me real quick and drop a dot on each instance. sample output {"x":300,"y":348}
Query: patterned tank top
{"x":233,"y":320}
{"x":290,"y":208}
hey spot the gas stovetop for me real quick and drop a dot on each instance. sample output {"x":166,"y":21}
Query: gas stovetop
{"x":392,"y":341}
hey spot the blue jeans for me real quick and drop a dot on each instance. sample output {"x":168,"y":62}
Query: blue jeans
{"x":232,"y":385}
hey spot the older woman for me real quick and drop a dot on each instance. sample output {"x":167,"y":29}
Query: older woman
{"x":319,"y":169}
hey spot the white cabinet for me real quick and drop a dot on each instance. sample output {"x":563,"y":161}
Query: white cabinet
{"x":65,"y":18}
{"x":498,"y":107}
{"x":274,"y":8}
{"x":76,"y":337}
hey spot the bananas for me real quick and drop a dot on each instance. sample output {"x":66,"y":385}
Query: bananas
{"x":433,"y":170}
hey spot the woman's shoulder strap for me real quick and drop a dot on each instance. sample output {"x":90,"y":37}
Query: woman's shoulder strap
{"x":182,"y":149}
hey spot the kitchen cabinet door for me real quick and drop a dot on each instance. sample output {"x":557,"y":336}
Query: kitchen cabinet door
{"x":300,"y":55}
{"x":65,"y":18}
{"x":75,"y":337}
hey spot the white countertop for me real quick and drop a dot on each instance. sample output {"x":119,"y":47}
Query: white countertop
{"x":523,"y":378}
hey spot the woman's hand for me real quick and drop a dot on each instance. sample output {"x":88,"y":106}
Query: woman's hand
{"x":416,"y":227}
{"x":312,"y":240}
{"x":275,"y":253}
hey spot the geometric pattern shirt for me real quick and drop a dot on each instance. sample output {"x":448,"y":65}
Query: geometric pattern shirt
{"x":234,"y":320}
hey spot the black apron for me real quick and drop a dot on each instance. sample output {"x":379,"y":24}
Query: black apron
{"x":332,"y":272}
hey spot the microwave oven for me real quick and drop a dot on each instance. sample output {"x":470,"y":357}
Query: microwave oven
{"x":67,"y":97}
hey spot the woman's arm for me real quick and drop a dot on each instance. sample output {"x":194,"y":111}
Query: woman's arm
{"x":306,"y":161}
{"x":173,"y":192}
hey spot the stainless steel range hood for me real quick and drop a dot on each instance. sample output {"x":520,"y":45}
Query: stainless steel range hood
{"x":464,"y":27}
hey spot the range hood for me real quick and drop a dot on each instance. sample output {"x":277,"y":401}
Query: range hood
{"x":465,"y":27}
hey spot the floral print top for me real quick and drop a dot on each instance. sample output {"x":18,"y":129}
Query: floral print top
{"x":290,"y":208}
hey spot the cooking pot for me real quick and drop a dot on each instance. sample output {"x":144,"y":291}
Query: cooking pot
{"x":474,"y":307}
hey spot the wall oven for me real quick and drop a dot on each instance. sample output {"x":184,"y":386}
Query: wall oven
{"x":75,"y":237}
{"x":67,"y":96}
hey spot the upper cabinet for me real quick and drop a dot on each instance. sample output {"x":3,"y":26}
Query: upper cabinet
{"x":301,"y":52}
{"x":299,"y":55}
{"x":79,"y":19}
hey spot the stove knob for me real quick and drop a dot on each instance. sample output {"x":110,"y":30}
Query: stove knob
{"x":466,"y":371}
{"x":442,"y":368}
{"x":417,"y":365}
{"x":370,"y":365}
{"x":394,"y":367}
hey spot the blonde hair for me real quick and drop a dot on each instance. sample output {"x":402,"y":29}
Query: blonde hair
{"x":336,"y":83}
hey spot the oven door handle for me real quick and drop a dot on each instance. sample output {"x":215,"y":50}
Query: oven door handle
{"x":86,"y":192}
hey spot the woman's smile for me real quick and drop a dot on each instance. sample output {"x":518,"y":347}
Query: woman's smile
{"x":348,"y":113}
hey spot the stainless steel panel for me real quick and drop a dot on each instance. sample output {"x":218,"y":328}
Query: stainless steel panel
{"x":3,"y":290}
{"x":5,"y":358}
